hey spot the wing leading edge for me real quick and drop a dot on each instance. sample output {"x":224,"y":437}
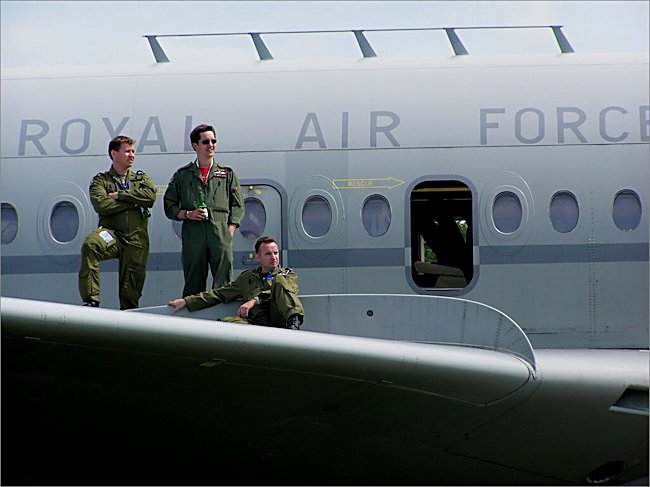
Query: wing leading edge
{"x":470,"y":374}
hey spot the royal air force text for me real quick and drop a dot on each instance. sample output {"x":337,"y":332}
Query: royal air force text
{"x":384,"y":129}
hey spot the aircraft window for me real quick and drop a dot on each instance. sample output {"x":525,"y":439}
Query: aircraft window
{"x":441,"y":234}
{"x":564,"y":211}
{"x":9,"y":220}
{"x":254,"y":219}
{"x":507,"y":212}
{"x":376,"y":215}
{"x":316,"y":216}
{"x":627,"y":210}
{"x":64,"y":222}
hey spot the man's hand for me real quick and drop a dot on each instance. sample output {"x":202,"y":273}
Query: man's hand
{"x":200,"y":214}
{"x":177,"y":304}
{"x":114,"y":195}
{"x":245,"y":308}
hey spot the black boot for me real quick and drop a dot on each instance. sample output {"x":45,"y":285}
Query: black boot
{"x":294,"y":322}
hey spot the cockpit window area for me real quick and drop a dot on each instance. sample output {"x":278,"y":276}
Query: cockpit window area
{"x":441,"y":234}
{"x":9,"y":220}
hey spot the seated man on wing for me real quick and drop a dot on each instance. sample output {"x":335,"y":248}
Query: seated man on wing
{"x":270,"y":292}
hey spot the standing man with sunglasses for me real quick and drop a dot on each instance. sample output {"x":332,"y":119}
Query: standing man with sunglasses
{"x":206,"y":197}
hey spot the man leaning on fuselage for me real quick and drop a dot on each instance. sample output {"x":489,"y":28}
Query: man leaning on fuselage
{"x":270,"y":292}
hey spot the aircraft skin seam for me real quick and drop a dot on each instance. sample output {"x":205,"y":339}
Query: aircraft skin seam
{"x":343,"y":149}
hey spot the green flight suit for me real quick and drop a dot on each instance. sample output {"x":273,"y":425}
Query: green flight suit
{"x":122,"y":234}
{"x":277,"y":290}
{"x":206,"y":242}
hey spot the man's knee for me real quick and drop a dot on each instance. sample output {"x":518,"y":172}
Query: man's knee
{"x":282,"y":283}
{"x":99,"y":245}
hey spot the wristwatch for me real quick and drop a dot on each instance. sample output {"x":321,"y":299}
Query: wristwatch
{"x":257,"y":300}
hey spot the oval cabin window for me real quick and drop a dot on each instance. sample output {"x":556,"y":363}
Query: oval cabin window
{"x":507,"y":212}
{"x":564,"y":211}
{"x":64,"y":222}
{"x":254,"y":222}
{"x":627,"y":210}
{"x":316,"y":216}
{"x":9,"y":220}
{"x":376,"y":215}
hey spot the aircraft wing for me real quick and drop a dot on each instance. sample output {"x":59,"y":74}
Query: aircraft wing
{"x":174,"y":399}
{"x":461,"y":373}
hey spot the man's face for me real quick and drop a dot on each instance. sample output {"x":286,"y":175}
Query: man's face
{"x":268,"y":256}
{"x":123,"y":159}
{"x":205,"y":147}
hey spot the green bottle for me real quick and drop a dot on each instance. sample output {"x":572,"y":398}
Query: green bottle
{"x":202,"y":200}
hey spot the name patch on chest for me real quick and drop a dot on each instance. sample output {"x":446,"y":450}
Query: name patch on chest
{"x":220,"y":173}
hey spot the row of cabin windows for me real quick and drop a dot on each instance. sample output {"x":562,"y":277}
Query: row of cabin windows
{"x":564,"y":213}
{"x":317,"y":216}
{"x":316,"y":219}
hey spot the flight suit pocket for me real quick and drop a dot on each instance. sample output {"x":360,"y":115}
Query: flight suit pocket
{"x":104,"y":242}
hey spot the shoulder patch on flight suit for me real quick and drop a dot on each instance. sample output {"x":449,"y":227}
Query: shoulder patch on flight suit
{"x":138,"y":176}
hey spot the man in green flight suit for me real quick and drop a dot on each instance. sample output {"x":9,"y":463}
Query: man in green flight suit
{"x":122,"y":199}
{"x":207,"y":198}
{"x":270,"y":292}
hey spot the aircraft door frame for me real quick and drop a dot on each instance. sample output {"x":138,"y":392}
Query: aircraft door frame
{"x":457,"y":272}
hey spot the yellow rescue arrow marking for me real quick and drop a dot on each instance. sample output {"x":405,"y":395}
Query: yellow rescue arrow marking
{"x":368,"y":183}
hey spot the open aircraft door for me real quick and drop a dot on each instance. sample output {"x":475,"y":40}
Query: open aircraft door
{"x":263,"y":217}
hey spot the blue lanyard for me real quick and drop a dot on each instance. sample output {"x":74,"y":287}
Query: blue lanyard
{"x":122,"y":186}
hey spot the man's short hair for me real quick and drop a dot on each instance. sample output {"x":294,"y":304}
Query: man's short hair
{"x":195,"y":134}
{"x":264,"y":240}
{"x":116,"y":143}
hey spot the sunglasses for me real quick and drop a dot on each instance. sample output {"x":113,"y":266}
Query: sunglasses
{"x":209,"y":141}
